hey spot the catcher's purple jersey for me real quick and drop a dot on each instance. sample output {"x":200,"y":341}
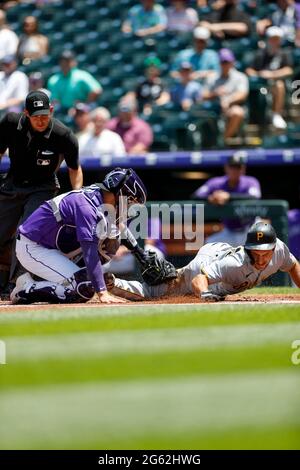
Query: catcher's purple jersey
{"x":81,"y":221}
{"x":246,"y":185}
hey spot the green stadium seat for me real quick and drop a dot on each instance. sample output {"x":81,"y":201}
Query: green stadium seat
{"x":115,"y":39}
{"x":161,"y":141}
{"x":95,"y":4}
{"x":116,"y":75}
{"x":16,"y":27}
{"x":277,"y":141}
{"x":129,"y":84}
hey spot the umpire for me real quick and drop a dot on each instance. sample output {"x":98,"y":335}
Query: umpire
{"x":37,"y":144}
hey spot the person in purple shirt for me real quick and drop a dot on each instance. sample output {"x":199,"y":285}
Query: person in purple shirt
{"x":66,"y":226}
{"x":136,"y":134}
{"x":219,"y":190}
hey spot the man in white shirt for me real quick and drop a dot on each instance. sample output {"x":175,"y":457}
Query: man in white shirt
{"x":8,"y":39}
{"x":230,"y":89}
{"x":14,"y":85}
{"x":100,"y":141}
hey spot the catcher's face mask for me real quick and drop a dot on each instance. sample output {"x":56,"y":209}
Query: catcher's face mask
{"x":129,"y":190}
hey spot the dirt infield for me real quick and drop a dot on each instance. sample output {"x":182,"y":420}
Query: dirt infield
{"x":6,"y":306}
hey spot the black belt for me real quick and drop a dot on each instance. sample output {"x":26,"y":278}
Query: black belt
{"x":25,"y":184}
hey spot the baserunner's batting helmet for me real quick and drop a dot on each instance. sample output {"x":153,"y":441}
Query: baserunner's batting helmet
{"x":261,"y":236}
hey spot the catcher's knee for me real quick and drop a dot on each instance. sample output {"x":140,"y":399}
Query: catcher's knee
{"x":82,"y":286}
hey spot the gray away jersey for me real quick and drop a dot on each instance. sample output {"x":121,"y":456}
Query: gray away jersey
{"x":230,"y":269}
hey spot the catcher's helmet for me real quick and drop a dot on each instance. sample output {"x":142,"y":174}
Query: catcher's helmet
{"x":261,"y":236}
{"x":125,"y":182}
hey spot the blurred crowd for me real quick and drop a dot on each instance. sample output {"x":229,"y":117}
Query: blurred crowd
{"x":233,"y":56}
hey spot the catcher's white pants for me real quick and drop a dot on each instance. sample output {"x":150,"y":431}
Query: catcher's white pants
{"x":51,"y":265}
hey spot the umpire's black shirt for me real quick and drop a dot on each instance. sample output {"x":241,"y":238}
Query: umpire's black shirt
{"x":35,"y":157}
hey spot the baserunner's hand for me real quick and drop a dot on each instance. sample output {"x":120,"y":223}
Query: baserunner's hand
{"x":106,"y":298}
{"x":208,"y":296}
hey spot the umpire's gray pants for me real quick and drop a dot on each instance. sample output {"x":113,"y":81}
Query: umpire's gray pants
{"x":16,"y":205}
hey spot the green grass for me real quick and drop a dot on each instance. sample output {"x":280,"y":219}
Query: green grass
{"x":272,"y":290}
{"x":197,"y":376}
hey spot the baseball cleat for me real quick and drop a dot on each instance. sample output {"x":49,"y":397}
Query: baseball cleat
{"x":18,"y":295}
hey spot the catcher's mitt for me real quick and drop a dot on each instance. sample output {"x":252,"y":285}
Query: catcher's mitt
{"x":155,"y":270}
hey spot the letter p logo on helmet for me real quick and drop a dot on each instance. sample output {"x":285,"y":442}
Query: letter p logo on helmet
{"x":259,"y":235}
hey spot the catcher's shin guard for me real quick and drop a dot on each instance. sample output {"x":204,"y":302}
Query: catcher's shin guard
{"x":28,"y":291}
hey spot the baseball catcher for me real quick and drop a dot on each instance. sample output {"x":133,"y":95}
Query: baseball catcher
{"x":75,"y":228}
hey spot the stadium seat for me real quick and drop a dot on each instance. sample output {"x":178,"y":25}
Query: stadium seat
{"x":129,"y":84}
{"x":277,"y":141}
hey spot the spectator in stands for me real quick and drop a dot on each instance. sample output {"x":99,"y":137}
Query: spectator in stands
{"x":72,"y":84}
{"x":136,"y":134}
{"x":205,"y":61}
{"x":32,"y":44}
{"x":146,"y":19}
{"x":6,"y":4}
{"x":100,"y":141}
{"x":13,"y":85}
{"x":228,"y":21}
{"x":82,"y":119}
{"x":188,"y":91}
{"x":275,"y":65}
{"x":231,"y":90}
{"x":36,"y":82}
{"x":181,"y":18}
{"x":8,"y":39}
{"x":150,"y":90}
{"x":220,"y":190}
{"x":286,"y":17}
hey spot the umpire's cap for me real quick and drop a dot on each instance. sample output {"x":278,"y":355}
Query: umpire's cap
{"x":261,"y":236}
{"x":37,"y":103}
